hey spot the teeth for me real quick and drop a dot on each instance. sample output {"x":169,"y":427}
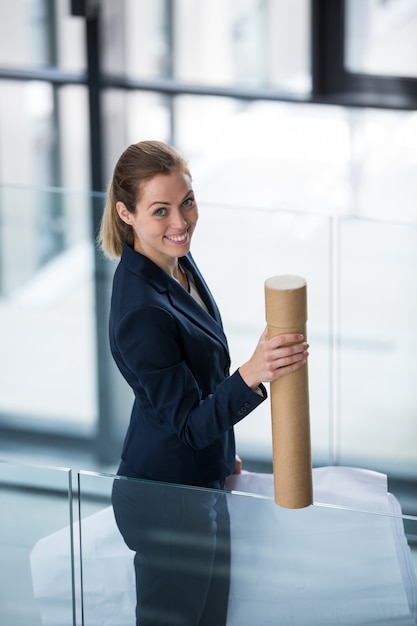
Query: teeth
{"x":178,"y":238}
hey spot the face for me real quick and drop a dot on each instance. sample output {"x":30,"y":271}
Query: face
{"x":165,"y":218}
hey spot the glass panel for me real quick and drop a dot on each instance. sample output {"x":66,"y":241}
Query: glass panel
{"x":332,"y":563}
{"x":35,"y":505}
{"x":378,"y":308}
{"x":251,"y":43}
{"x":47,"y":310}
{"x":135,"y":37}
{"x":37,"y":33}
{"x":44,"y":135}
{"x":24,"y":33}
{"x":72,"y":151}
{"x":26,"y":117}
{"x":380,"y":37}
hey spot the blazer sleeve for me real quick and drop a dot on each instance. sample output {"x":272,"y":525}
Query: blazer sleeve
{"x":149,"y":345}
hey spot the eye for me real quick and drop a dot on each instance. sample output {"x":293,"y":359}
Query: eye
{"x":161,"y":212}
{"x":188,"y":202}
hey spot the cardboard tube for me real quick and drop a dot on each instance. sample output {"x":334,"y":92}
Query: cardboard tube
{"x":286,"y":312}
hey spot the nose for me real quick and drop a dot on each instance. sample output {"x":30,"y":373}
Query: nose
{"x":178,"y":220}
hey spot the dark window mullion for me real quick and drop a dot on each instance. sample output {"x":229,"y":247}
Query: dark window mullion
{"x":327,"y":53}
{"x":330,"y":80}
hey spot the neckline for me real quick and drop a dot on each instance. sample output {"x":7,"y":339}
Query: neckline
{"x":185,"y":279}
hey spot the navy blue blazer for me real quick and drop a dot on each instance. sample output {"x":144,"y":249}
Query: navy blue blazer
{"x":175,"y":357}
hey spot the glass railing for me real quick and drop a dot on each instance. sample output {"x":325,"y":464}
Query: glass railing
{"x":36,"y":503}
{"x":348,"y":559}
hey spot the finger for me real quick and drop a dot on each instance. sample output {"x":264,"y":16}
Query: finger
{"x":287,"y":351}
{"x":288,"y":369}
{"x":295,"y":348}
{"x":289,"y":360}
{"x":292,"y":368}
{"x":285,"y":339}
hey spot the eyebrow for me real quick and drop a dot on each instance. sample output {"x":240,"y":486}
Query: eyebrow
{"x":190,"y":191}
{"x":158,"y":202}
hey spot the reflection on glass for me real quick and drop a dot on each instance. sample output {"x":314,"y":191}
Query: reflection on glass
{"x":332,"y":563}
{"x":346,"y":560}
{"x":380,"y":37}
{"x":181,"y":540}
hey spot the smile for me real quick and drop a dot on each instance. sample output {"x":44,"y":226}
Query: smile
{"x":182,"y":238}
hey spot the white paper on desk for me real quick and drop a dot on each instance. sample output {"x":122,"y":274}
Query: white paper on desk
{"x":305,"y":567}
{"x":320,"y":566}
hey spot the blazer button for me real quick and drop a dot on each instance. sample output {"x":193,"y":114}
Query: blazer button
{"x":244,"y":409}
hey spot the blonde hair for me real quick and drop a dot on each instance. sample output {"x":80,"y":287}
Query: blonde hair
{"x":139,"y":163}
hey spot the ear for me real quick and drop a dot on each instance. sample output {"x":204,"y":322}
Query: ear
{"x":123,"y":213}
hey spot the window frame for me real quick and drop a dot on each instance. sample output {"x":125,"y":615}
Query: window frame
{"x":332,"y":83}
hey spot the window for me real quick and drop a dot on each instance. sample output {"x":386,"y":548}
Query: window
{"x":380,"y":37}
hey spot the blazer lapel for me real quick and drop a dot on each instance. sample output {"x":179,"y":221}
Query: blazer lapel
{"x":202,"y":287}
{"x":181,"y":300}
{"x":210,"y":321}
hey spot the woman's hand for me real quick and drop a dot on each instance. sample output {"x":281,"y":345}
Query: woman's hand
{"x":238,"y":465}
{"x":237,"y":470}
{"x":274,"y":358}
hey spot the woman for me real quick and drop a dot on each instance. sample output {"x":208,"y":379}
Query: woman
{"x":167,"y":339}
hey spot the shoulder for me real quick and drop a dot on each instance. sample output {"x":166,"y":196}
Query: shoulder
{"x":137,"y":278}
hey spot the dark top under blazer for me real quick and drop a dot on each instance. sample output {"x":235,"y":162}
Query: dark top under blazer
{"x":175,"y":357}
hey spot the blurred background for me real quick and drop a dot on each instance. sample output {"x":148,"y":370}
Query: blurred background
{"x":299,"y":122}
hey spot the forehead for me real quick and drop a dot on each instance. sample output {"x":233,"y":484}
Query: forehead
{"x":166,"y":186}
